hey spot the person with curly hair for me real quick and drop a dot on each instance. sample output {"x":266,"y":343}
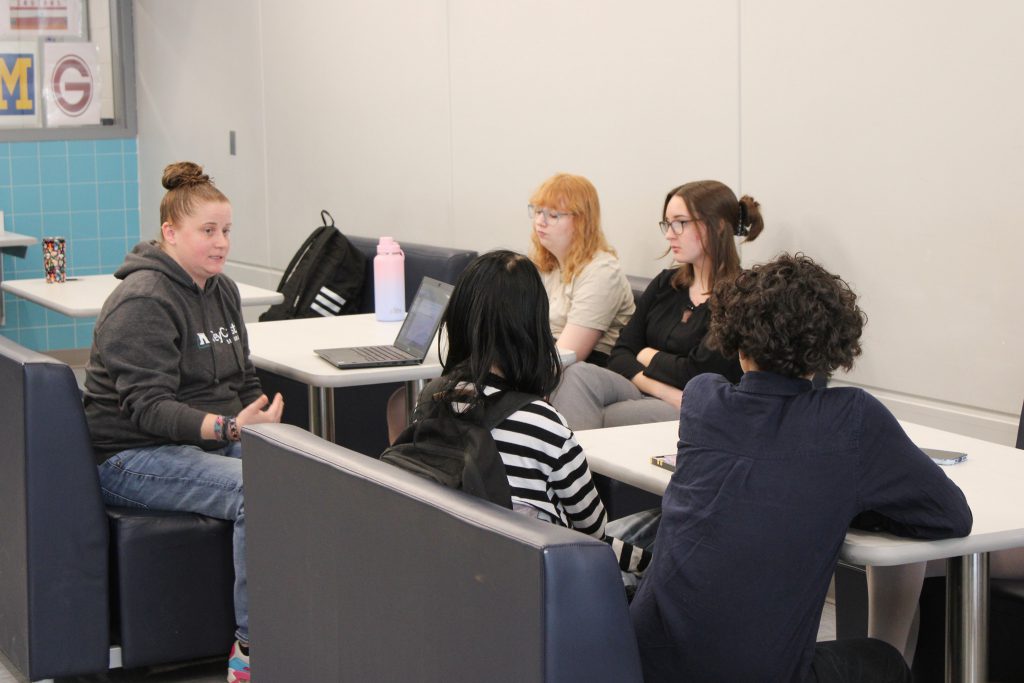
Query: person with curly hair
{"x":663,"y":344}
{"x":771,"y":473}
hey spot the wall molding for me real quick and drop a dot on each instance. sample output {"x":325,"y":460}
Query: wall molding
{"x":988,"y":425}
{"x":252,"y":274}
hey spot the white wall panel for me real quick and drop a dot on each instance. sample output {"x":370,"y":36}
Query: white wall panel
{"x":637,"y":97}
{"x":198,"y":73}
{"x":358,"y":122}
{"x":884,"y":139}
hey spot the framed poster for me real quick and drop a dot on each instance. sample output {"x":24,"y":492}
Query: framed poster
{"x":55,"y":18}
{"x":71,"y":84}
{"x":19,"y":91}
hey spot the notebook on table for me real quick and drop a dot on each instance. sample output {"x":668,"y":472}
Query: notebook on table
{"x":413,"y":340}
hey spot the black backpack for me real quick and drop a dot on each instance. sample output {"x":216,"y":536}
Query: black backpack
{"x":458,"y":451}
{"x":325,"y":277}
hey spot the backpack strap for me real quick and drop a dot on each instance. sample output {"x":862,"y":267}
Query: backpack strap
{"x":501,"y":407}
{"x":296,"y":257}
{"x":316,"y":243}
{"x":425,"y":401}
{"x":496,"y":407}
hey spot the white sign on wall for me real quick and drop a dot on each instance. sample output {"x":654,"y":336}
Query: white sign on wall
{"x":71,"y":86}
{"x":58,"y":18}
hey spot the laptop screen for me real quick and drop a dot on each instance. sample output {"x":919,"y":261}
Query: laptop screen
{"x":424,"y":317}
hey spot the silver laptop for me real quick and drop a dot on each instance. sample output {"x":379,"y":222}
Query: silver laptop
{"x":413,"y":340}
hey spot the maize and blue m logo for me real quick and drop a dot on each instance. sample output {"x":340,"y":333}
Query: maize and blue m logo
{"x":17,"y":84}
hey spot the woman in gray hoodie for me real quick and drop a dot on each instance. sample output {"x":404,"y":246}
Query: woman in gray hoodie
{"x":169,"y":382}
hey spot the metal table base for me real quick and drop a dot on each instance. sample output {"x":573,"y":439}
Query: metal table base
{"x":321,"y":407}
{"x":967,"y":618}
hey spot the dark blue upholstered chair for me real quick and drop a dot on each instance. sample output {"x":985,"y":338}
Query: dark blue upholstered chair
{"x":83,"y":587}
{"x":360,"y":571}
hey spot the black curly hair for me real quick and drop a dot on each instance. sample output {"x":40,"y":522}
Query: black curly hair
{"x":790,"y":316}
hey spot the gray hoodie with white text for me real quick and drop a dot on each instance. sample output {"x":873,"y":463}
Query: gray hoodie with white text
{"x":165,"y":353}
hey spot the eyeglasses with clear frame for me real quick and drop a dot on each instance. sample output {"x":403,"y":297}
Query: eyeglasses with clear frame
{"x":550,"y":216}
{"x":676,"y":225}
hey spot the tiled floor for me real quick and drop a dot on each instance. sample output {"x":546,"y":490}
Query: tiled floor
{"x":214,"y":672}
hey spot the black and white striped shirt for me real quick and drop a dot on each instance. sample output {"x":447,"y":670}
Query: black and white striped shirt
{"x":548,"y":472}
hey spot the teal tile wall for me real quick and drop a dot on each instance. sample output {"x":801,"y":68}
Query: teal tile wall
{"x":86,"y":191}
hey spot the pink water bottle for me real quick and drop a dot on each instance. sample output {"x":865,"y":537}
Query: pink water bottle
{"x":389,"y":280}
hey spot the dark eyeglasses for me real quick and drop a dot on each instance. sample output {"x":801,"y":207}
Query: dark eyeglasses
{"x":677,"y":225}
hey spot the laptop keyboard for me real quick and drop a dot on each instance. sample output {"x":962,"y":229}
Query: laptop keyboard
{"x":380,"y":353}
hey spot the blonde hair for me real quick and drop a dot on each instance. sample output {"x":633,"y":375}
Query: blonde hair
{"x":577,"y":195}
{"x":186,"y":186}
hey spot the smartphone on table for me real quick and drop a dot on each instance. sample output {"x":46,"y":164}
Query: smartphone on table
{"x":667,"y":462}
{"x":942,"y":457}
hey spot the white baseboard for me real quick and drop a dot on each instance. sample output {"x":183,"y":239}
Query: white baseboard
{"x":258,"y":276}
{"x":992,"y":426}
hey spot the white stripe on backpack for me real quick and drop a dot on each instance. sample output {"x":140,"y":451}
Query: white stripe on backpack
{"x":326,"y":303}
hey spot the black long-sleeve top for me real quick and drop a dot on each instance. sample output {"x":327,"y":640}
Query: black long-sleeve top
{"x":658,"y":323}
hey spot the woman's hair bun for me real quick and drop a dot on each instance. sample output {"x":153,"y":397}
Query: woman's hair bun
{"x":183,"y":173}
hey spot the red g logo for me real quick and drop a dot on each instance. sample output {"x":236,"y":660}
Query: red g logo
{"x":72,"y":85}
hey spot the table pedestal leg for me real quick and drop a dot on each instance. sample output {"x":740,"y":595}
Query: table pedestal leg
{"x":967,"y":618}
{"x":321,"y":412}
{"x":413,"y":389}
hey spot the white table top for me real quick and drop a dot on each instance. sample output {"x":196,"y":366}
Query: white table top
{"x":13,"y":239}
{"x":992,"y":479}
{"x":286,"y":347}
{"x":83,"y":297}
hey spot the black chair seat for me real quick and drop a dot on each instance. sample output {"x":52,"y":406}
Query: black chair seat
{"x":151,"y":553}
{"x":77,"y":577}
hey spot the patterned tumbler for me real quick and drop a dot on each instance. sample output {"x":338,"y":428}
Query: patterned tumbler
{"x":53,"y":259}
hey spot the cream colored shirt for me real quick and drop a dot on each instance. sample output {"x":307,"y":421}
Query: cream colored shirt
{"x":599,"y":297}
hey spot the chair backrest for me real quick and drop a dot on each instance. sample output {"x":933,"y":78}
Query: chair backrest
{"x":639,"y":284}
{"x":53,"y":528}
{"x":361,"y":571}
{"x":1020,"y":430}
{"x":421,"y":260}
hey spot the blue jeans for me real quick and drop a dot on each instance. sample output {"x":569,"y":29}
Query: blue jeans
{"x":186,"y":479}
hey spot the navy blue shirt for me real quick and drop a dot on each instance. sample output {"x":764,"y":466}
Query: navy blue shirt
{"x":770,"y":475}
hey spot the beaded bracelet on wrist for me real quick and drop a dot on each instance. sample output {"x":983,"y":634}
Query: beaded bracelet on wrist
{"x":218,"y":428}
{"x":232,"y":430}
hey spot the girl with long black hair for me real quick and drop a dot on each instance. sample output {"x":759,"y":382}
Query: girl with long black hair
{"x":499,"y":338}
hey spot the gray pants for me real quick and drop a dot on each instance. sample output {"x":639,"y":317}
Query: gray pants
{"x":590,"y":397}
